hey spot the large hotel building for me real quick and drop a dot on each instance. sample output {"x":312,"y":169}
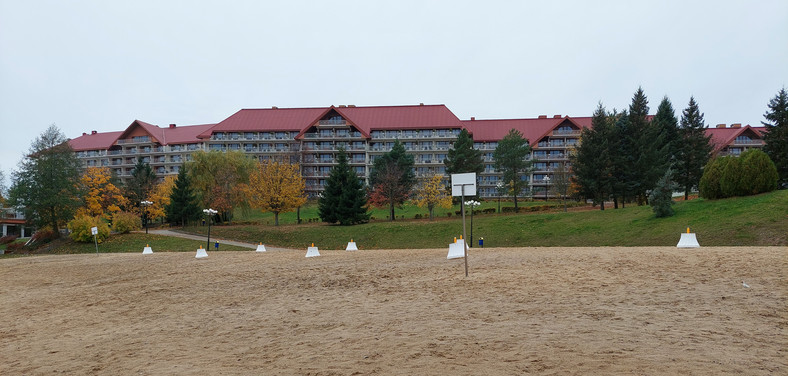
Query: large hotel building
{"x":312,"y":136}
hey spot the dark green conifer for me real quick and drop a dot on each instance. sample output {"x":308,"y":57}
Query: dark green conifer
{"x":344,"y":199}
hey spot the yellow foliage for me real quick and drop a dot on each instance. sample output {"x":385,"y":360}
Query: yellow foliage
{"x":432,"y":193}
{"x":160,"y":197}
{"x":102,"y":198}
{"x":275,"y":187}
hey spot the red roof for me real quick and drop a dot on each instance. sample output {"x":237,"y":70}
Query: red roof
{"x":532,"y":129}
{"x":400,"y":117}
{"x":721,"y":137}
{"x":186,"y":134}
{"x":268,"y":119}
{"x":95,"y":141}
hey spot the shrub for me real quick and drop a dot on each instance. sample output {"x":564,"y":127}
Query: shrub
{"x":751,"y":173}
{"x":44,"y":235}
{"x":661,"y":197}
{"x":417,"y":216}
{"x":7,"y":239}
{"x":489,"y":211}
{"x":125,"y":222}
{"x":709,"y":185}
{"x":81,"y":225}
{"x":14,"y":247}
{"x":759,"y":173}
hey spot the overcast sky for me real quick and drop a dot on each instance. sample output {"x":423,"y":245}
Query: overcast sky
{"x":98,"y":65}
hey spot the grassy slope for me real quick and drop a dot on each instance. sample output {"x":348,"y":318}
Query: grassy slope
{"x":754,"y":220}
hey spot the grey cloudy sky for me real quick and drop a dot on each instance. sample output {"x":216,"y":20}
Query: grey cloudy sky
{"x":98,"y":65}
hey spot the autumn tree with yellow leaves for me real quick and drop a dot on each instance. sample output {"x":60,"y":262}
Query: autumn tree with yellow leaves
{"x":160,"y":198}
{"x":100,"y":196}
{"x":432,"y":193}
{"x":275,"y":187}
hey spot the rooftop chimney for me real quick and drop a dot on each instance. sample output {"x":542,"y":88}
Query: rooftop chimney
{"x":473,"y":118}
{"x":93,"y":132}
{"x":720,"y":125}
{"x":556,"y":116}
{"x":342,"y":106}
{"x":84,"y":134}
{"x":736,"y":125}
{"x":421,"y":104}
{"x":172,"y":126}
{"x":351,"y":105}
{"x":274,"y":107}
{"x":543,"y":116}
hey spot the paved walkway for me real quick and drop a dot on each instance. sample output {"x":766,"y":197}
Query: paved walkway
{"x":221,"y":241}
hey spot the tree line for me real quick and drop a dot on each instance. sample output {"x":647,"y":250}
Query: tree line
{"x":626,"y":157}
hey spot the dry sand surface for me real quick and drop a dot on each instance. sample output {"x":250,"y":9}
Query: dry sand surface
{"x":398,"y":312}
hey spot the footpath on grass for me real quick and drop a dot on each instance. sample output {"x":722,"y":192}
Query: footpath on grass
{"x":220,"y":241}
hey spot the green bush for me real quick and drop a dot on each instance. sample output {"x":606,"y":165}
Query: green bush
{"x":125,"y":222}
{"x":751,"y":173}
{"x":759,"y":174}
{"x":731,"y":178}
{"x":709,"y":185}
{"x":81,"y":225}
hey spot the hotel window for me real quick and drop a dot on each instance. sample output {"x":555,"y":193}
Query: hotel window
{"x":326,"y":133}
{"x":343,"y":133}
{"x":425,"y":133}
{"x":219,"y":136}
{"x":376,"y":134}
{"x":280,"y":135}
{"x":250,"y":135}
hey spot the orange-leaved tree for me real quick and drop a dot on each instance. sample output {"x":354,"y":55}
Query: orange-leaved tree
{"x":275,"y":187}
{"x":100,"y":196}
{"x":432,"y":193}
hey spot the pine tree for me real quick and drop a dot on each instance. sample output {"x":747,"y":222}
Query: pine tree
{"x":693,"y":150}
{"x":667,"y":127}
{"x":183,"y":201}
{"x":392,"y":178}
{"x":140,"y":185}
{"x":661,"y":197}
{"x":592,"y":163}
{"x":510,"y":159}
{"x":776,"y":135}
{"x":344,"y":199}
{"x":462,"y":157}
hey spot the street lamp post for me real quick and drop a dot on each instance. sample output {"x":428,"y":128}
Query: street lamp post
{"x":546,"y":187}
{"x":209,"y":212}
{"x":145,"y":204}
{"x":472,"y":204}
{"x":499,"y":186}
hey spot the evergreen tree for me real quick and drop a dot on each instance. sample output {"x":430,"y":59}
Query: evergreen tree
{"x":693,"y":149}
{"x":667,"y":128}
{"x":661,"y":197}
{"x":344,"y":199}
{"x":648,"y":148}
{"x":776,"y":135}
{"x":138,"y":188}
{"x":462,"y":157}
{"x":45,"y":187}
{"x":183,"y":201}
{"x":759,"y":173}
{"x":592,"y":163}
{"x":622,"y":150}
{"x":709,"y":185}
{"x":392,"y":178}
{"x":510,"y":159}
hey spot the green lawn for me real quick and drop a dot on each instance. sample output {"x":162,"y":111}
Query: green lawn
{"x":408,"y":211}
{"x":754,"y":220}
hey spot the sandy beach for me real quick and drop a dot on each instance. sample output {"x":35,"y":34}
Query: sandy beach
{"x":659,"y":310}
